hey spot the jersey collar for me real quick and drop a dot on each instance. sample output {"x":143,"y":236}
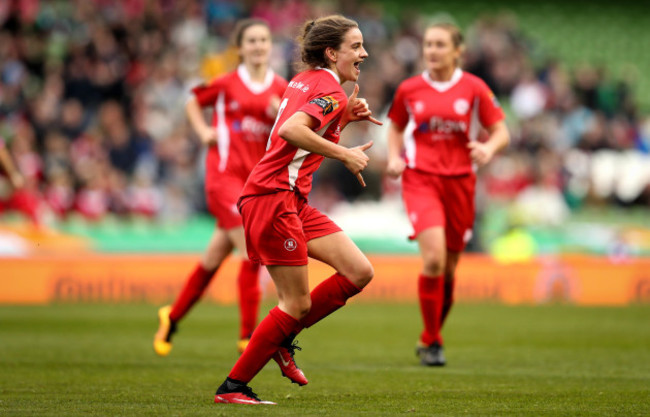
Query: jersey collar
{"x":443,"y":86}
{"x":254,"y":86}
{"x":336,"y":77}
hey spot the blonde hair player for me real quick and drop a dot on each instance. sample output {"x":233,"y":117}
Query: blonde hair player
{"x":436,"y":119}
{"x":282,"y":230}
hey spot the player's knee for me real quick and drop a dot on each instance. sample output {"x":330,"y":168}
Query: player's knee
{"x":362,"y":274}
{"x":433,"y":266}
{"x":300,"y":307}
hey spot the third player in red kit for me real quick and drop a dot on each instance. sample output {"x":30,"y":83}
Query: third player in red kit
{"x":436,"y":118}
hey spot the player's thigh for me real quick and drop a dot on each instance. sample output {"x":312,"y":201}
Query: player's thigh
{"x":340,"y":252}
{"x":422,"y":199}
{"x":459,"y":211}
{"x":238,"y":240}
{"x":219,"y":247}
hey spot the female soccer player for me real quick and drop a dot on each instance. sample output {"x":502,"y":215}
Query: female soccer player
{"x":245,"y":104}
{"x":282,"y":230}
{"x":435,"y":116}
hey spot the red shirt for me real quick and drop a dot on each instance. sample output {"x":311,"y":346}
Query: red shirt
{"x":284,"y":166}
{"x":440,"y":118}
{"x":242,"y":118}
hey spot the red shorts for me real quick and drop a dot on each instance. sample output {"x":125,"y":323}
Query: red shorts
{"x":221,"y":198}
{"x":437,"y":200}
{"x":279,"y":225}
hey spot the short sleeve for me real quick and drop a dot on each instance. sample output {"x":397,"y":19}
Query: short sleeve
{"x":325,"y":107}
{"x":206,"y":95}
{"x":489,"y":109}
{"x":398,"y":113}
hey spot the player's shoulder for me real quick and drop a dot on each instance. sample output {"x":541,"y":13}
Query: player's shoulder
{"x":221,"y":81}
{"x":473,"y":80}
{"x":279,"y":81}
{"x":413,"y":83}
{"x":316,"y":82}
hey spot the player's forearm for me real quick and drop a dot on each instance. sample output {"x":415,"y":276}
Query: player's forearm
{"x":6,"y":163}
{"x":195,"y":115}
{"x":395,"y":141}
{"x":303,"y":137}
{"x":499,"y":137}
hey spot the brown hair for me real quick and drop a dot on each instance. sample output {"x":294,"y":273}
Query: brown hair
{"x":240,"y":28}
{"x":318,"y":35}
{"x":456,"y":35}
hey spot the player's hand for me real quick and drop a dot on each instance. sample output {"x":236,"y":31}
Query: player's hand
{"x":356,"y":161}
{"x":357,"y":109}
{"x":481,"y":153}
{"x":395,"y":167}
{"x":208,"y":136}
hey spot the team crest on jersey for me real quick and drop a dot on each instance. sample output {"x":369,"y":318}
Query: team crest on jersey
{"x":327,"y":103}
{"x":461,"y":106}
{"x":234,"y":105}
{"x":290,"y":245}
{"x":418,"y":106}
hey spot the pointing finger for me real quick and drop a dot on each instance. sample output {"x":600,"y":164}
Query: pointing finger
{"x":360,"y":179}
{"x":354,"y":93}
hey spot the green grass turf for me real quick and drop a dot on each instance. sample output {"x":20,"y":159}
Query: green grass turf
{"x":502,"y":361}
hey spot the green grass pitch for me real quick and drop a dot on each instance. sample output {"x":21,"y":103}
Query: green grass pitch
{"x":69,"y":360}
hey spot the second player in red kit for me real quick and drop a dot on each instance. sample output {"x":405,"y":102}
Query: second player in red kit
{"x":244,"y":103}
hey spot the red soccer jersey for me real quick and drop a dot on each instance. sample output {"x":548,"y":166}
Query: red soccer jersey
{"x":242,"y":118}
{"x":440,"y":118}
{"x":284,"y":166}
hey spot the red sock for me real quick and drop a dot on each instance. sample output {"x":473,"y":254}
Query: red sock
{"x":265,"y":341}
{"x":448,"y":300}
{"x":249,"y":297}
{"x":326,"y":298}
{"x":194,"y":287}
{"x":430,"y":292}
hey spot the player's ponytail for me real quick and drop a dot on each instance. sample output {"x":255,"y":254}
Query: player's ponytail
{"x":318,"y":35}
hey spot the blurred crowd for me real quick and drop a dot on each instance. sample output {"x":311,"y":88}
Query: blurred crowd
{"x":92,"y":97}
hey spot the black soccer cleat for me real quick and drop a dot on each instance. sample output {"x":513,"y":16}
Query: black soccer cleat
{"x":235,"y":392}
{"x":432,"y":355}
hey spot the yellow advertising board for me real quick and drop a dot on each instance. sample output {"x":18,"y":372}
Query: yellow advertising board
{"x":577,"y":279}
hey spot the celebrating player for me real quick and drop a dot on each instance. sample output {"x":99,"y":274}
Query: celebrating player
{"x":435,"y":116}
{"x":282,"y":230}
{"x":245,"y":104}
